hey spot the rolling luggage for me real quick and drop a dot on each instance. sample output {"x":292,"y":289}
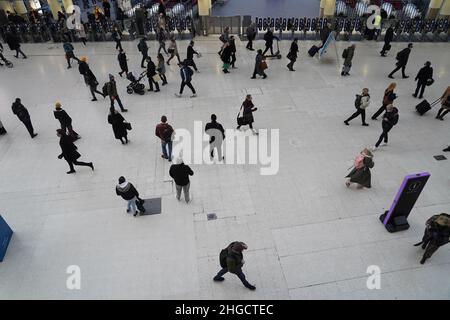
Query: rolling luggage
{"x":312,"y":52}
{"x":425,"y":106}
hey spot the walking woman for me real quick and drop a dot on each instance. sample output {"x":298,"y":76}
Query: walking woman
{"x":122,"y":57}
{"x":89,"y":78}
{"x":388,"y":98}
{"x":260,"y":65}
{"x":161,"y":69}
{"x":360,"y":173}
{"x":390,"y":119}
{"x":247,"y":108}
{"x":119,"y":125}
{"x":445,"y":104}
{"x":226,"y":57}
{"x":292,"y":55}
{"x":173,"y":50}
{"x":69,"y":152}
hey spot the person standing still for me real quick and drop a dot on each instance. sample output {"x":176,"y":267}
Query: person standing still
{"x":180,"y":174}
{"x":165,"y":132}
{"x":423,"y":78}
{"x":22,"y":113}
{"x":251,"y":35}
{"x":216,"y":137}
{"x":348,"y":56}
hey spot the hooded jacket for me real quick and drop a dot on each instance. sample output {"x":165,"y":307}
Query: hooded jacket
{"x":127,"y":191}
{"x":235,"y":258}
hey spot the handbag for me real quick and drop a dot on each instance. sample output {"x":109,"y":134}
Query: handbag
{"x":156,"y":78}
{"x":128,"y":125}
{"x":240,"y":120}
{"x":263,"y":65}
{"x":430,"y":82}
{"x":171,"y":50}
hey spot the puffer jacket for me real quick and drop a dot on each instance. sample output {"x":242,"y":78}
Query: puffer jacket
{"x":127,"y":191}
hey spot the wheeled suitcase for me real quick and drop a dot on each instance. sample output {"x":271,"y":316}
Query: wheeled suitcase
{"x":312,"y":52}
{"x":425,"y":106}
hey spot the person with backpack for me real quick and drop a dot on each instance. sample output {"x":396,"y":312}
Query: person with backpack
{"x":436,"y":234}
{"x":231,"y":260}
{"x":111,"y":90}
{"x":173,"y":51}
{"x":388,"y":98}
{"x":69,"y":152}
{"x":260,"y":65}
{"x":251,"y":35}
{"x":347,"y":54}
{"x":68,"y":49}
{"x":164,"y":131}
{"x":122,"y":57}
{"x":388,"y":37}
{"x":292,"y":55}
{"x":143,"y":48}
{"x":65,"y":121}
{"x":360,"y":173}
{"x":180,"y":174}
{"x":119,"y":125}
{"x":402,"y":60}
{"x":152,"y":75}
{"x":226,"y":57}
{"x":268,"y":38}
{"x":22,"y":113}
{"x":247,"y":108}
{"x":361,"y":103}
{"x":216,"y":134}
{"x":186,"y":78}
{"x":128,"y":192}
{"x":117,"y":37}
{"x":445,"y":104}
{"x":390,"y":119}
{"x":424,"y":78}
{"x":89,"y":78}
{"x":190,"y":56}
{"x":224,"y":38}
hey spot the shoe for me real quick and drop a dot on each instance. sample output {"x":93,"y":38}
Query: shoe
{"x":194,"y":95}
{"x":414,"y":95}
{"x":92,"y":166}
{"x":346,"y":123}
{"x":216,"y":278}
{"x":164,"y":157}
{"x":342,"y":74}
{"x":252,"y":49}
{"x":446,"y":149}
{"x":365,"y":124}
{"x":16,"y":57}
{"x":234,"y":67}
{"x":374,"y":118}
{"x":35,"y":134}
{"x":424,"y":245}
{"x":136,"y":214}
{"x":69,"y":67}
{"x":124,"y":110}
{"x":157,"y":90}
{"x":423,"y":260}
{"x":150,"y":90}
{"x":94,"y":99}
{"x":265,"y":76}
{"x":384,"y":144}
{"x":347,"y":184}
{"x":177,"y":95}
{"x":71,"y":171}
{"x":405,"y":77}
{"x":420,"y":97}
{"x":253,"y":78}
{"x":168,"y":63}
{"x":128,"y":210}
{"x":389,"y":76}
{"x":441,"y":118}
{"x":373,"y":149}
{"x":418,"y":244}
{"x":164,"y":83}
{"x":251,"y":287}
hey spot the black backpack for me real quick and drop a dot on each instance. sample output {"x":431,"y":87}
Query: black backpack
{"x":167,"y":133}
{"x":358,"y":101}
{"x":223,"y":258}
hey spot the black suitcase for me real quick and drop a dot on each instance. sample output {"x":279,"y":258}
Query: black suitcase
{"x":312,"y":52}
{"x":425,"y":106}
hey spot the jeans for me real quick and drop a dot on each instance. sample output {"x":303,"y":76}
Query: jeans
{"x":358,"y":112}
{"x":116,"y":98}
{"x":183,"y":84}
{"x":172,"y":56}
{"x":131,"y":205}
{"x":380,"y":111}
{"x":384,"y":136}
{"x":94,"y":90}
{"x":239,"y":274}
{"x":420,"y":86}
{"x":167,"y":153}
{"x":398,"y":68}
{"x":185,"y":190}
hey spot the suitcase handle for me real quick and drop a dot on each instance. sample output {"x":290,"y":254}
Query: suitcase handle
{"x":435,"y":102}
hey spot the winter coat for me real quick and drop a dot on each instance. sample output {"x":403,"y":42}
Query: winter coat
{"x":251,"y":32}
{"x":127,"y":191}
{"x":190,"y":52}
{"x":365,"y":101}
{"x":268,"y":37}
{"x":118,"y":125}
{"x":235,"y":258}
{"x":293,"y":51}
{"x":424,"y":74}
{"x":180,"y":173}
{"x":142,"y":47}
{"x":362,"y":175}
{"x":390,"y":119}
{"x":350,"y":54}
{"x":389,"y":97}
{"x":258,"y":60}
{"x":247,"y":111}
{"x":403,"y":56}
{"x":226,"y":54}
{"x":63,"y":117}
{"x":122,"y":57}
{"x":111,"y":88}
{"x":20,"y":111}
{"x":68,"y":148}
{"x":151,"y":69}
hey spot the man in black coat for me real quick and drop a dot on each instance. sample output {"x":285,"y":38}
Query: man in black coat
{"x":22,"y":113}
{"x":14,"y":44}
{"x":190,"y":56}
{"x":424,"y":75}
{"x":388,"y":37}
{"x":69,"y":152}
{"x":65,"y":120}
{"x":128,"y":192}
{"x":89,"y":78}
{"x":216,"y":136}
{"x":390,"y":119}
{"x":151,"y":72}
{"x":268,"y":37}
{"x":122,"y":57}
{"x":402,"y":60}
{"x":180,"y":173}
{"x":437,"y":233}
{"x":292,"y":55}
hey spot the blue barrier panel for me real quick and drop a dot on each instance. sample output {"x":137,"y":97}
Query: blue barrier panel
{"x":5,"y":236}
{"x":324,"y":48}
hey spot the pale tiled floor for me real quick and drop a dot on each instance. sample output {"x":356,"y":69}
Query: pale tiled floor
{"x":309,"y":237}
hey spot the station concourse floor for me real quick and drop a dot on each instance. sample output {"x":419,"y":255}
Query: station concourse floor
{"x":308,"y":236}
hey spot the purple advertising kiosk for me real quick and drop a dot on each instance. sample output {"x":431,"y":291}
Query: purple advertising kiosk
{"x":396,"y":218}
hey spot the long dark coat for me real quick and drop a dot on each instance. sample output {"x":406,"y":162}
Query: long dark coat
{"x":118,"y":125}
{"x":362,"y":176}
{"x":68,"y":148}
{"x":122,"y":61}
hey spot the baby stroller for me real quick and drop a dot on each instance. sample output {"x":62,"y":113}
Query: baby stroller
{"x":8,"y":63}
{"x":135,"y":85}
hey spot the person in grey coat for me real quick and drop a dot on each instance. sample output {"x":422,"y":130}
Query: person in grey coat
{"x":348,"y":56}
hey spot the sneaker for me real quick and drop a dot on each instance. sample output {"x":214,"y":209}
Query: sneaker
{"x":251,"y":287}
{"x":265,"y":76}
{"x":423,"y":260}
{"x":346,"y":123}
{"x":136,"y":214}
{"x":446,"y":149}
{"x":365,"y":124}
{"x":253,"y":78}
{"x":71,"y":171}
{"x":373,"y":148}
{"x":216,"y":278}
{"x":405,"y":77}
{"x":194,"y":95}
{"x":164,"y":157}
{"x":177,"y":95}
{"x":124,"y":110}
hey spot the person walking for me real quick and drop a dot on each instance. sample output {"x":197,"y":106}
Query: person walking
{"x":247,"y":109}
{"x":190,"y":56}
{"x":117,"y":37}
{"x":268,"y":37}
{"x":81,"y":33}
{"x":186,"y":78}
{"x":424,"y":78}
{"x":22,"y":113}
{"x":232,"y":44}
{"x":107,"y":9}
{"x":445,"y":104}
{"x":2,"y":128}
{"x":69,"y":152}
{"x":161,"y":37}
{"x":173,"y":50}
{"x":180,"y":174}
{"x":251,"y":35}
{"x":161,"y":69}
{"x":14,"y":44}
{"x":360,"y":173}
{"x":68,"y":49}
{"x":128,"y":192}
{"x":226,"y":57}
{"x":292,"y":55}
{"x":388,"y":37}
{"x":224,"y":38}
{"x":122,"y":57}
{"x":260,"y":65}
{"x":65,"y":121}
{"x":216,"y":134}
{"x":143,"y":48}
{"x":347,"y":54}
{"x":402,"y":60}
{"x":89,"y":78}
{"x":361,"y":103}
{"x":390,"y":119}
{"x":436,"y":234}
{"x":152,"y":75}
{"x":231,"y":260}
{"x":388,"y":98}
{"x":111,"y":89}
{"x":119,"y":125}
{"x":165,"y":132}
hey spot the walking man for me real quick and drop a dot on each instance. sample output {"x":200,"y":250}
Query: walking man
{"x":89,"y":78}
{"x":292,"y":55}
{"x":348,"y":54}
{"x":68,"y":49}
{"x":216,"y":136}
{"x":128,"y":192}
{"x":143,"y":48}
{"x":268,"y":37}
{"x":186,"y":78}
{"x":111,"y":89}
{"x":165,"y":132}
{"x":232,"y":260}
{"x":251,"y":35}
{"x":122,"y":57}
{"x":390,"y":119}
{"x":388,"y":37}
{"x":180,"y":174}
{"x":402,"y":61}
{"x":22,"y":113}
{"x":190,"y":56}
{"x":151,"y":73}
{"x":65,"y":121}
{"x":361,"y":103}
